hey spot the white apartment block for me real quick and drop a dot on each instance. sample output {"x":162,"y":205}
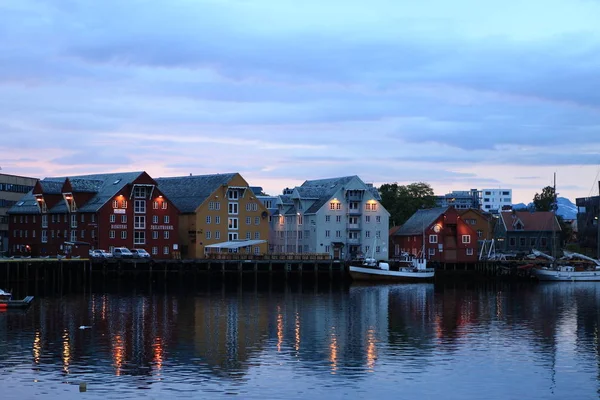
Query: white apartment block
{"x":492,"y":200}
{"x":342,"y":217}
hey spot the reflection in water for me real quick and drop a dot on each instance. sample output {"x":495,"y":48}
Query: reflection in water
{"x":540,"y":340}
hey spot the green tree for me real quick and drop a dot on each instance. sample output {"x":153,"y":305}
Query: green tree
{"x":544,"y":201}
{"x":402,"y":201}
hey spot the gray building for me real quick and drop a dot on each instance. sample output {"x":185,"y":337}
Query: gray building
{"x":460,"y":199}
{"x":342,"y":217}
{"x":12,"y":188}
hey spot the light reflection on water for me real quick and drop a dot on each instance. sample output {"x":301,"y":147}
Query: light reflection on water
{"x":417,"y":341}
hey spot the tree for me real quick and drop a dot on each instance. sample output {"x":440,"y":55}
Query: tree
{"x":402,"y":201}
{"x":544,"y":201}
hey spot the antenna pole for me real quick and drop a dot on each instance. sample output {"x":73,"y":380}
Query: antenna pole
{"x":598,"y":224}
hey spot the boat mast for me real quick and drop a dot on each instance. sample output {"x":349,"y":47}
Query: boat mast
{"x":554,"y":207}
{"x":598,"y":224}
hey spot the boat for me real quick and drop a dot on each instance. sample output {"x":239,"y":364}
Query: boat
{"x":407,"y":269}
{"x":571,"y":271}
{"x":6,"y":301}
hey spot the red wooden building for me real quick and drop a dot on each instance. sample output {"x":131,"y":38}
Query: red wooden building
{"x":124,"y":209}
{"x":448,"y":239}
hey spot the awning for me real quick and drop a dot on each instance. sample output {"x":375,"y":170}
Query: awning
{"x":236,"y":244}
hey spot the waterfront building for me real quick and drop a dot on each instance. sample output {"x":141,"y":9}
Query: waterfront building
{"x":493,"y":200}
{"x":102,"y":211}
{"x":522,"y":231}
{"x":588,"y":212}
{"x":437,"y":234}
{"x":481,"y":222}
{"x":460,"y":199}
{"x":342,"y":217}
{"x":12,"y":188}
{"x":219,"y":212}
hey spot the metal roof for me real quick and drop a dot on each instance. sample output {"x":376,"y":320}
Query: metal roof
{"x":235,"y":244}
{"x":420,"y":221}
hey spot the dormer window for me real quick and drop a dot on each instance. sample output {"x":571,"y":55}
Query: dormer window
{"x":519,"y":226}
{"x":233,"y":194}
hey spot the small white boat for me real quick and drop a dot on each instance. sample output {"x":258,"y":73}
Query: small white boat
{"x":408,"y":270}
{"x":4,"y":296}
{"x":570,"y":273}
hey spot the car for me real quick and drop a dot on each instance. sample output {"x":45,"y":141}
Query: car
{"x":140,"y":253}
{"x":99,"y":253}
{"x":122,"y":252}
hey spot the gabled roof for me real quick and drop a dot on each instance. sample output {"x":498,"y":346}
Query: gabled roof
{"x":536,"y":221}
{"x":322,"y":190}
{"x":420,"y":221}
{"x":105,"y":187}
{"x":189,"y":192}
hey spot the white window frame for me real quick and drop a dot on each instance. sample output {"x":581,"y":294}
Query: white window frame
{"x":466,"y":239}
{"x":433,"y":238}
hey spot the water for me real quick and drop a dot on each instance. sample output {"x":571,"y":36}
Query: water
{"x":526,"y":341}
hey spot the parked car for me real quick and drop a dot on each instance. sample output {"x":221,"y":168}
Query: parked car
{"x":122,"y":252}
{"x":140,"y":253}
{"x":99,"y":253}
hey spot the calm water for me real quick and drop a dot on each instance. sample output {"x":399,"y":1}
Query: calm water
{"x":533,"y":341}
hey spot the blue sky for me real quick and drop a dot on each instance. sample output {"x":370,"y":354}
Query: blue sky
{"x":461,"y":94}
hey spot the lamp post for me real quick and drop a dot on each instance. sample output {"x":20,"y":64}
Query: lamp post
{"x":297,"y":229}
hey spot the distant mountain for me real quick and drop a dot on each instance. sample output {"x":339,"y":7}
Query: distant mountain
{"x":566,"y":208}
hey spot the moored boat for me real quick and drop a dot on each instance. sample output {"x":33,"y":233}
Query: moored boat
{"x":6,"y":301}
{"x":408,"y":270}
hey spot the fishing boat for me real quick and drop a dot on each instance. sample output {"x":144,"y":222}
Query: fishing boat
{"x":6,"y":301}
{"x":407,"y":269}
{"x":572,"y":271}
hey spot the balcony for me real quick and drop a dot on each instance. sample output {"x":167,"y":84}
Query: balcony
{"x":355,"y":211}
{"x":353,"y":241}
{"x":354,"y":227}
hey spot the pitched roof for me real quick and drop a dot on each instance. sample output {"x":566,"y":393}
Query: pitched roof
{"x":536,"y":221}
{"x":321,"y":190}
{"x":420,"y":220}
{"x":188,"y":192}
{"x":105,"y":186}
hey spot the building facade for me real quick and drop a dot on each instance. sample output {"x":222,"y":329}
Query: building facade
{"x":493,"y":200}
{"x":12,"y":188}
{"x":102,"y":210}
{"x":460,"y":199}
{"x":523,"y":231}
{"x":481,"y":222}
{"x":437,"y":234}
{"x":342,"y":217}
{"x":588,"y":215}
{"x":219,"y":212}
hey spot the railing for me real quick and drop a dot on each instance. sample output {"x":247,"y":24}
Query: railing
{"x":274,"y":257}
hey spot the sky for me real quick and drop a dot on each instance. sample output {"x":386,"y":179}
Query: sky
{"x":459,"y":94}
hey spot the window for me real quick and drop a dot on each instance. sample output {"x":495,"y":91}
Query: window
{"x":248,"y":220}
{"x":470,"y":251}
{"x":512,"y":242}
{"x":367,"y":219}
{"x":378,"y":219}
{"x":217,"y":220}
{"x":155,"y":219}
{"x":53,"y":218}
{"x":232,"y":194}
{"x":332,"y":205}
{"x":164,"y":205}
{"x":111,"y":234}
{"x":522,"y":242}
{"x":217,"y":235}
{"x":466,"y":238}
{"x":123,"y":234}
{"x":115,"y":204}
{"x":256,"y":250}
{"x":166,"y":219}
{"x":113,"y":218}
{"x":139,"y":192}
{"x":543,"y":242}
{"x":338,"y":218}
{"x":208,"y":219}
{"x":233,"y":223}
{"x":123,"y":219}
{"x":433,"y":239}
{"x":139,"y":237}
{"x":154,"y":235}
{"x":232,"y":236}
{"x":505,"y":193}
{"x":166,"y":250}
{"x":248,"y":235}
{"x":139,"y":206}
{"x":82,"y":218}
{"x":155,"y":205}
{"x":377,"y":249}
{"x":327,"y":233}
{"x":328,"y":218}
{"x":123,"y":203}
{"x":207,"y":234}
{"x":338,"y":234}
{"x":232,"y":208}
{"x":82,"y":234}
{"x":367,"y":234}
{"x":533,"y":242}
{"x":44,"y":236}
{"x":257,"y":221}
{"x":166,"y":235}
{"x":479,"y":233}
{"x":378,"y":234}
{"x":154,"y":250}
{"x":431,"y":252}
{"x":327,"y":249}
{"x":139,"y":222}
{"x":257,"y":235}
{"x":45,"y":221}
{"x":93,"y":217}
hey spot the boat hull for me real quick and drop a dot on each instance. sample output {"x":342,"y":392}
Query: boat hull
{"x":567,"y":276}
{"x":11,"y":304}
{"x":373,"y":274}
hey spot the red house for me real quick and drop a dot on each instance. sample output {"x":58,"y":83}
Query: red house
{"x":447,"y":238}
{"x":123,"y":209}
